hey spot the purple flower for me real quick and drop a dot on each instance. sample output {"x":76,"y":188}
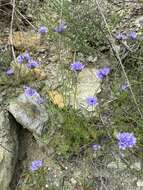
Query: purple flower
{"x":23,"y":57}
{"x":26,"y":56}
{"x":126,"y":140}
{"x":120,"y":36}
{"x":32,"y":64}
{"x":43,"y":30}
{"x":103,"y":72}
{"x":40,"y":100}
{"x":10,"y":72}
{"x":36,"y":164}
{"x":76,"y":66}
{"x":91,"y":101}
{"x":60,"y":28}
{"x":20,"y":59}
{"x":29,"y":91}
{"x":125,"y":86}
{"x":133,"y":35}
{"x":96,"y":147}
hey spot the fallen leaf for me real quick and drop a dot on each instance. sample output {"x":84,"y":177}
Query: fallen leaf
{"x":57,"y":98}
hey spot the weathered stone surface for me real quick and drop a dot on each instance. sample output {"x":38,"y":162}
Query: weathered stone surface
{"x":140,"y":183}
{"x":139,"y":21}
{"x":29,"y":113}
{"x":119,"y":165}
{"x":88,"y":85}
{"x":137,"y":166}
{"x":8,"y":150}
{"x":25,"y":40}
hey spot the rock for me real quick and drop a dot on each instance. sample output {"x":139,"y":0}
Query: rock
{"x":139,"y":21}
{"x":8,"y":150}
{"x":24,"y":40}
{"x":88,"y":85}
{"x":91,"y":59}
{"x":29,"y":113}
{"x":136,"y":166}
{"x":139,"y":183}
{"x":73,"y":181}
{"x":118,"y":165}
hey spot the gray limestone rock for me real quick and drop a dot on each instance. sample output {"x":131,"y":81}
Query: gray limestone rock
{"x":29,"y":113}
{"x":8,"y":149}
{"x":88,"y":85}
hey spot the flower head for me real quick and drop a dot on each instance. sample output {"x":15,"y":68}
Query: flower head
{"x":76,"y":66}
{"x":121,"y":36}
{"x":36,"y":164}
{"x":96,"y":147}
{"x":133,"y":35}
{"x":60,"y":28}
{"x":43,"y":30}
{"x":20,"y":59}
{"x":124,"y":86}
{"x":10,"y":72}
{"x":26,"y":56}
{"x":103,"y":72}
{"x":40,"y":100}
{"x":29,"y":91}
{"x":91,"y":101}
{"x":126,"y":140}
{"x":23,"y":57}
{"x":32,"y":64}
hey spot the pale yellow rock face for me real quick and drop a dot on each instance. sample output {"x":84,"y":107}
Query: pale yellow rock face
{"x":23,"y":39}
{"x":87,"y":85}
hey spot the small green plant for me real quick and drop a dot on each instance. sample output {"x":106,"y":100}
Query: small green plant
{"x":70,"y":129}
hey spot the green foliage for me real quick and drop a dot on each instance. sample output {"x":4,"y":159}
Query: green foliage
{"x":68,"y":131}
{"x":126,"y":116}
{"x":34,"y":179}
{"x":84,"y":30}
{"x":5,"y":59}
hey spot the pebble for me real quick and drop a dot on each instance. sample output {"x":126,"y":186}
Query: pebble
{"x":140,"y":183}
{"x":136,"y":166}
{"x":73,"y":181}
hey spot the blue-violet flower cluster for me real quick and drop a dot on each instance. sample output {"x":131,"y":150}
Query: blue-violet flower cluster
{"x":60,"y":28}
{"x":125,"y":86}
{"x":30,"y":92}
{"x":32,"y":64}
{"x":91,"y":101}
{"x":133,"y":35}
{"x":76,"y":66}
{"x":36,"y":164}
{"x":43,"y":30}
{"x":121,"y":36}
{"x":102,"y":73}
{"x":25,"y":58}
{"x":126,"y":140}
{"x":10,"y":72}
{"x":96,"y":147}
